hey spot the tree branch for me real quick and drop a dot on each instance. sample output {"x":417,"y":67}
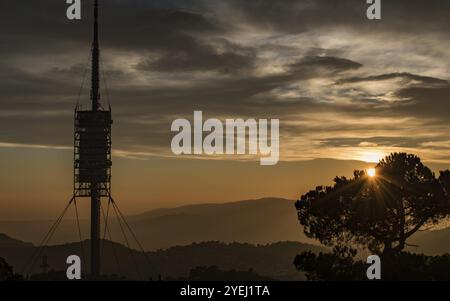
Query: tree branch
{"x":419,"y":225}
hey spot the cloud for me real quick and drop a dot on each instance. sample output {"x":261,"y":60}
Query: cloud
{"x":426,"y":102}
{"x":407,"y":77}
{"x":198,"y":56}
{"x":333,"y":63}
{"x":394,"y":141}
{"x":293,"y":16}
{"x":334,"y":79}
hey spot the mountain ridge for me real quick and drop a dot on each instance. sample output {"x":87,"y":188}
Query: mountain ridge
{"x":172,"y":263}
{"x":259,"y":221}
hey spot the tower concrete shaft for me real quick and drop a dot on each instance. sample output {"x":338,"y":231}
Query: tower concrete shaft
{"x":95,"y":232}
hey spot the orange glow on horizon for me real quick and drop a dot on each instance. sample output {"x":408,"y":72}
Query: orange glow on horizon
{"x":372,"y":156}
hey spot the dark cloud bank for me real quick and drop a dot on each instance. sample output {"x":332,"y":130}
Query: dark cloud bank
{"x":200,"y":43}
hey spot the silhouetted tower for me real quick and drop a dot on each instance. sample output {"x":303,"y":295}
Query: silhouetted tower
{"x":92,"y":152}
{"x":92,"y":167}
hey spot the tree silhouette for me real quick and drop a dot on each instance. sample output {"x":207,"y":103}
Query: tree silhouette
{"x":378,"y":213}
{"x":337,"y":266}
{"x":6,"y":272}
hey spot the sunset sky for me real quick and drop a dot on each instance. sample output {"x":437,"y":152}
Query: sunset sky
{"x":342,"y":86}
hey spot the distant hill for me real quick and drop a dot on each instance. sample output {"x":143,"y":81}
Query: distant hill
{"x":273,"y":261}
{"x":254,"y":221}
{"x":9,"y":242}
{"x":261,"y":221}
{"x":434,"y":242}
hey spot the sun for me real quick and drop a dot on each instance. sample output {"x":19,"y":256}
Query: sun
{"x":372,"y":172}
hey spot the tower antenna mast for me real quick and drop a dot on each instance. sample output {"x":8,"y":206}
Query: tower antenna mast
{"x":95,"y":77}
